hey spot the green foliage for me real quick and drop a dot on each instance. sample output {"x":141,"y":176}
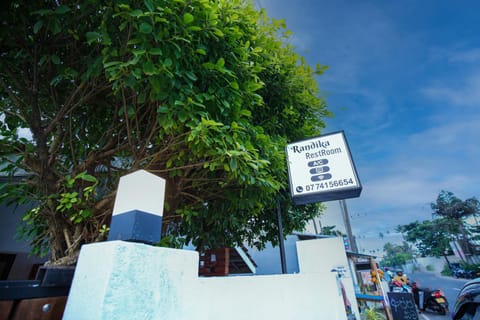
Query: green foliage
{"x":373,"y":313}
{"x":203,"y":93}
{"x":431,"y":237}
{"x":74,"y":205}
{"x":396,"y":255}
{"x":446,"y":271}
{"x":331,"y":231}
{"x":171,"y":242}
{"x":104,"y":229}
{"x":448,"y":205}
{"x":35,"y":229}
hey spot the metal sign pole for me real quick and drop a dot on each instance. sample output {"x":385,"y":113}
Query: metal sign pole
{"x":280,"y":237}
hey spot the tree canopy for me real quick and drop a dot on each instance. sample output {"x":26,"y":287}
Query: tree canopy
{"x":396,"y":255}
{"x":449,"y":206}
{"x":205,"y":93}
{"x":432,"y":237}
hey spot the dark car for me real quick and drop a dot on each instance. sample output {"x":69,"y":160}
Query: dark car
{"x":467,"y":305}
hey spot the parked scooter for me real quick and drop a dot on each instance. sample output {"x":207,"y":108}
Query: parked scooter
{"x":399,"y":283}
{"x":398,"y":286}
{"x":433,"y":300}
{"x":459,"y":272}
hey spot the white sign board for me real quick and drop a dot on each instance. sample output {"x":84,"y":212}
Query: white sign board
{"x":322,"y":169}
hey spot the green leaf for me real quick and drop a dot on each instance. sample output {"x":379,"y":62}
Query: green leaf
{"x":191,"y":75}
{"x":137,"y":73}
{"x":43,"y":59}
{"x":167,"y":62}
{"x":92,"y":37}
{"x":149,"y":5}
{"x":188,"y":18}
{"x":37,"y":26}
{"x":194,"y":28}
{"x":138,"y":52}
{"x":234,"y":85}
{"x":254,"y":86}
{"x":220,"y":62}
{"x":86,"y":213}
{"x":245,"y":112}
{"x":55,"y":26}
{"x":42,"y":12}
{"x":111,"y":63}
{"x":155,"y":51}
{"x":218,"y":32}
{"x":55,"y":59}
{"x":87,"y":177}
{"x":62,"y":9}
{"x":149,"y":68}
{"x":56,"y":80}
{"x":136,"y":13}
{"x":145,"y":27}
{"x":182,"y":115}
{"x":162,"y":109}
{"x":201,"y":51}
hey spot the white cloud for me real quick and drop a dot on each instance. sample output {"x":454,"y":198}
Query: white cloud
{"x":459,"y":53}
{"x":463,"y":94}
{"x":454,"y":136}
{"x":468,"y":56}
{"x":407,"y":147}
{"x":400,"y":189}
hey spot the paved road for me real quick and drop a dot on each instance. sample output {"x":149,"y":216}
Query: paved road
{"x":450,"y":286}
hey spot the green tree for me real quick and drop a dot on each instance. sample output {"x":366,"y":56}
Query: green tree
{"x":430,"y":237}
{"x":205,"y":93}
{"x":331,"y":231}
{"x":449,"y":206}
{"x":396,"y":255}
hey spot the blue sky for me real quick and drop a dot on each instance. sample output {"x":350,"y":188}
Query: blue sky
{"x":404,"y":84}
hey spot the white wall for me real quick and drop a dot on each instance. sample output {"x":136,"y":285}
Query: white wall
{"x":321,"y":256}
{"x":122,"y":280}
{"x":433,"y":264}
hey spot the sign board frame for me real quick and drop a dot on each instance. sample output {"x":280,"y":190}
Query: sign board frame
{"x":402,"y":305}
{"x":322,"y":169}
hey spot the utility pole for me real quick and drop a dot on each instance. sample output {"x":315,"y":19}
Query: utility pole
{"x":280,"y":237}
{"x":348,"y":227}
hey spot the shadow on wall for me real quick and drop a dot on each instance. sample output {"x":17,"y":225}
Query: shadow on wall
{"x":16,"y":263}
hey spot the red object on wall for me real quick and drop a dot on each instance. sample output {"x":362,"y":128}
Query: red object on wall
{"x":214,"y":262}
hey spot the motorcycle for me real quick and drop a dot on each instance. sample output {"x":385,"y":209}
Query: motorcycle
{"x":433,"y":300}
{"x":459,"y":272}
{"x":398,"y":286}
